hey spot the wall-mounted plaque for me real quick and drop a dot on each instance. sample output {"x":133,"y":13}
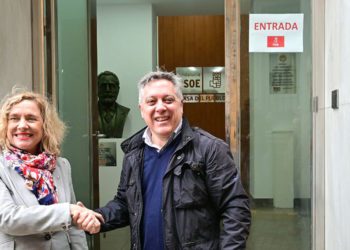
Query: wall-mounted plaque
{"x":282,"y":73}
{"x":107,"y":154}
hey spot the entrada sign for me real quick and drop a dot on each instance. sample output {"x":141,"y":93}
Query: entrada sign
{"x":276,"y":32}
{"x":275,"y":26}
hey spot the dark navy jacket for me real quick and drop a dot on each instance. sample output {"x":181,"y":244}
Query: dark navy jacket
{"x":204,"y":203}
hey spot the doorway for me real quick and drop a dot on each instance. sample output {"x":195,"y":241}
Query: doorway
{"x":127,"y":44}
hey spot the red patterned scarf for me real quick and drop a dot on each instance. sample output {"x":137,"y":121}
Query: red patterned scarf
{"x":37,"y":171}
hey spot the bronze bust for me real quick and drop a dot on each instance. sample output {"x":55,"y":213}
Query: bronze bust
{"x":112,"y":115}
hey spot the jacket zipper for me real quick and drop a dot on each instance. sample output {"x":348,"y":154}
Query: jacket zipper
{"x":174,"y":213}
{"x":140,"y":210}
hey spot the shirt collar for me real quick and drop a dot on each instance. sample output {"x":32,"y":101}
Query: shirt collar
{"x":147,"y":136}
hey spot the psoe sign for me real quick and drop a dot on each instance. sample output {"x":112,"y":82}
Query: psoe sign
{"x":276,"y":32}
{"x":192,"y":77}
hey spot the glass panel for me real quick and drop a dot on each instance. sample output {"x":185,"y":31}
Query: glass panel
{"x":280,"y":137}
{"x":73,"y":92}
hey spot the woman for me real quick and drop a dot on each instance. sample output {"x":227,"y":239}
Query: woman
{"x":36,"y":189}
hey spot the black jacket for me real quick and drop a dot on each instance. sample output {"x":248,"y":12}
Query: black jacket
{"x":204,"y":203}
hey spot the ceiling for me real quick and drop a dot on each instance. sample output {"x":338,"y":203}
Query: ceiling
{"x":182,"y":7}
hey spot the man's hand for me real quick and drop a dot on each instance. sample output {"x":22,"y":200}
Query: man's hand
{"x":85,"y":218}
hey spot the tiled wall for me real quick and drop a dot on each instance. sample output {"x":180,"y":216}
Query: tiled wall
{"x":337,"y":125}
{"x":15,"y":45}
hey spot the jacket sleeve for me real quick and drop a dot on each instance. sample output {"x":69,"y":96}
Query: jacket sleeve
{"x":21,"y":220}
{"x":228,"y":195}
{"x":115,"y":212}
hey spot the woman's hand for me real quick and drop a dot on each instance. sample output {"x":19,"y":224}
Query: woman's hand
{"x":85,"y":218}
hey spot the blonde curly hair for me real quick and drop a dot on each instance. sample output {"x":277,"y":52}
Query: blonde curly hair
{"x":53,"y":128}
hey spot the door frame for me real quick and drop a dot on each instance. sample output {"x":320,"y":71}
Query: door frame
{"x":232,"y":77}
{"x":44,"y":54}
{"x":318,"y":127}
{"x":92,"y":15}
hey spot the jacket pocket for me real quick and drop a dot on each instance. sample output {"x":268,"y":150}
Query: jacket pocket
{"x":189,"y":185}
{"x":131,"y":193}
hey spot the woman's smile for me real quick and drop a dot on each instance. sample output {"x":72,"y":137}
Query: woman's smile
{"x":25,"y":126}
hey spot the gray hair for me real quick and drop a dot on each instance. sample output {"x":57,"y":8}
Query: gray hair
{"x":161,"y":75}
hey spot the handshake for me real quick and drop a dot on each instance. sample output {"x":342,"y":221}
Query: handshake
{"x":85,"y":218}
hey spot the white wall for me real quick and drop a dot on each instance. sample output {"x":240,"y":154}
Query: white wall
{"x":337,"y":125}
{"x":15,"y":45}
{"x":125,"y":46}
{"x":271,"y":113}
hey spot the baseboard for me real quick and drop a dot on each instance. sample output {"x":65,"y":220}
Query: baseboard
{"x":302,"y":204}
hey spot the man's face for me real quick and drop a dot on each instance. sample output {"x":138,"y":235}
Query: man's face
{"x":108,"y":89}
{"x":161,"y":109}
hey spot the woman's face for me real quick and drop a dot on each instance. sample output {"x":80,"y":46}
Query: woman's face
{"x":25,"y":126}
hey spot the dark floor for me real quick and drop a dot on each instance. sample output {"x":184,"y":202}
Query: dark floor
{"x":279,"y":229}
{"x":271,"y":229}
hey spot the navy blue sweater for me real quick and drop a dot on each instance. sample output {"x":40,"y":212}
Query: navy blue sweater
{"x":155,"y":164}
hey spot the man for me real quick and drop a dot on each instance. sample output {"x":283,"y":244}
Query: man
{"x":179,"y":188}
{"x":111,"y":114}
